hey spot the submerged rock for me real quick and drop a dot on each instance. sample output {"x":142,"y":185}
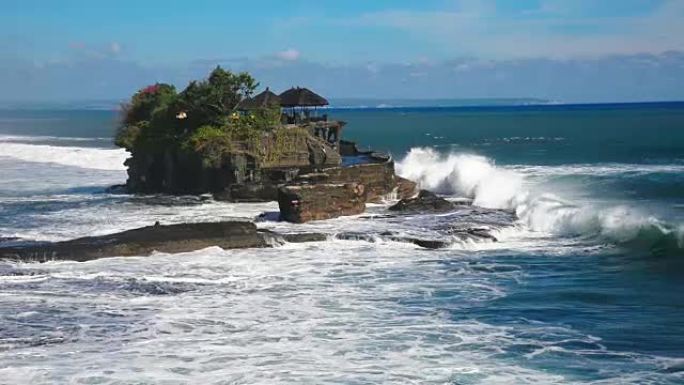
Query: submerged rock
{"x":425,"y":243}
{"x":425,"y":202}
{"x":472,"y":233}
{"x":8,"y":239}
{"x":303,"y":237}
{"x":303,"y":203}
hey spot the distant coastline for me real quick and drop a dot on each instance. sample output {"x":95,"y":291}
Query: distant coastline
{"x":374,"y":104}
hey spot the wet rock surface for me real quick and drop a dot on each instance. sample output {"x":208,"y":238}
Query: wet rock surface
{"x":406,"y":189}
{"x":462,"y":223}
{"x":303,"y":203}
{"x":143,"y":241}
{"x":378,"y":178}
{"x":8,"y":239}
{"x":388,"y":236}
{"x":425,"y":202}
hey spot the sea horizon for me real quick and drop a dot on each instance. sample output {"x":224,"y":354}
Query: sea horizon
{"x":357,"y":103}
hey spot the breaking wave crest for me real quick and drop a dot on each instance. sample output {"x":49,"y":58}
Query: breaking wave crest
{"x":83,"y":157}
{"x":538,"y":207}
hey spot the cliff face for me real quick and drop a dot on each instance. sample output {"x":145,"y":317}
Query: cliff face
{"x":180,"y":171}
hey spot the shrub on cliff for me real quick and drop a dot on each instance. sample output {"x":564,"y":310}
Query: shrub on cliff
{"x":238,"y":134}
{"x":211,"y":142}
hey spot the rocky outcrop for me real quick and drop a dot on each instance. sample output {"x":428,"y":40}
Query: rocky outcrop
{"x":308,"y":202}
{"x":377,"y":176}
{"x":143,"y":241}
{"x":189,"y":237}
{"x":175,"y":170}
{"x":425,"y":202}
{"x":327,"y":193}
{"x":378,"y":179}
{"x":406,"y":188}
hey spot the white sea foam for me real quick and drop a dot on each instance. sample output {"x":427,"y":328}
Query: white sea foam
{"x":83,"y":157}
{"x":360,"y":315}
{"x":490,"y":186}
{"x":462,"y":174}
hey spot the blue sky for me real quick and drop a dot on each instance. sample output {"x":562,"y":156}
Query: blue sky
{"x":567,"y":50}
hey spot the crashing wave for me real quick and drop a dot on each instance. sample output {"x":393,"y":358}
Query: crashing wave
{"x":489,"y":186}
{"x":83,"y":157}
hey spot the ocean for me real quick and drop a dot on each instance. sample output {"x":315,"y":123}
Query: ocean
{"x":584,"y":286}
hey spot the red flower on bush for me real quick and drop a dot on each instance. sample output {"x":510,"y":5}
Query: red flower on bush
{"x":150,"y":89}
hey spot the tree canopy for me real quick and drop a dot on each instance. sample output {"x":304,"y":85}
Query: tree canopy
{"x":158,"y":116}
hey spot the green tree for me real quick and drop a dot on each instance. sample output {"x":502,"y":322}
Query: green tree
{"x":157,"y":117}
{"x":210,"y":102}
{"x":146,"y":100}
{"x":231,"y":88}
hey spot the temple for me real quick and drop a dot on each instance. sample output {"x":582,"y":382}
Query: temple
{"x":300,"y":107}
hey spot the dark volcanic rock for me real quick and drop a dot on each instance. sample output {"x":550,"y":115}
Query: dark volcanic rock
{"x":425,"y":202}
{"x":248,"y":192}
{"x":303,"y":237}
{"x":117,"y":189}
{"x":480,"y":233}
{"x":143,"y":241}
{"x":176,"y":170}
{"x":303,"y":203}
{"x":424,"y":243}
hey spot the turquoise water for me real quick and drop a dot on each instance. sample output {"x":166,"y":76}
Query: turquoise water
{"x":540,"y":135}
{"x":583,"y":288}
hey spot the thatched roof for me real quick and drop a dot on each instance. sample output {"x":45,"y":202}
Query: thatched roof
{"x":265,"y":99}
{"x":301,"y":97}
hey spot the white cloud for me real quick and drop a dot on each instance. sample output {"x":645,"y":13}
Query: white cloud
{"x":607,"y":79}
{"x":290,"y":54}
{"x":549,"y":31}
{"x":115,"y":48}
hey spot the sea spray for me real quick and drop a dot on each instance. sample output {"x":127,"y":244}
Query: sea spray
{"x":466,"y":175}
{"x":537,"y":206}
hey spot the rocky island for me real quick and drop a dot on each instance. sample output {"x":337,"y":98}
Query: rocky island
{"x":215,"y":138}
